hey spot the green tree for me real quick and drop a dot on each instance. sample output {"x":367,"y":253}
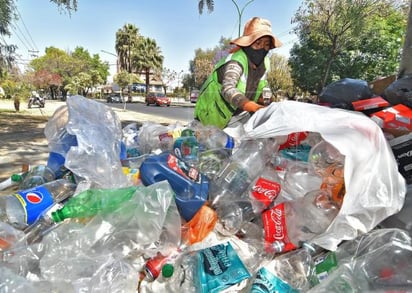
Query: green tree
{"x":6,"y":51}
{"x":342,"y":39}
{"x":405,"y":68}
{"x":77,"y":69}
{"x":279,"y":77}
{"x":148,"y":58}
{"x":7,"y":15}
{"x":204,"y":61}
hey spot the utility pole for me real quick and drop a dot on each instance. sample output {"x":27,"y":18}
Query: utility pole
{"x":240,"y":12}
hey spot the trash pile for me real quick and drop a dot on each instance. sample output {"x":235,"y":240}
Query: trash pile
{"x":292,"y":202}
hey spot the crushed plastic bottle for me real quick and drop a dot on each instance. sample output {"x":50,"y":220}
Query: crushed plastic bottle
{"x":289,"y":272}
{"x":37,"y":175}
{"x":290,"y":223}
{"x":25,"y":207}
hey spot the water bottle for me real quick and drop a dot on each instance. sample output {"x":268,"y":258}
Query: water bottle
{"x":289,"y":272}
{"x":246,"y":163}
{"x":37,"y":175}
{"x":379,"y":258}
{"x":190,"y":186}
{"x":211,"y":137}
{"x":230,"y":191}
{"x":25,"y":207}
{"x":235,"y":212}
{"x":328,"y":163}
{"x":290,"y":223}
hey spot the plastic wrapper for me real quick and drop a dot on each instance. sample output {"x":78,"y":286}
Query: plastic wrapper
{"x":375,"y":189}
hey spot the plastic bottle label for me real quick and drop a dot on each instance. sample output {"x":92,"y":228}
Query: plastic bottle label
{"x":183,"y":169}
{"x":274,"y":224}
{"x":294,"y":139}
{"x":34,"y":201}
{"x":220,"y":267}
{"x":266,"y":282}
{"x":265,"y":191}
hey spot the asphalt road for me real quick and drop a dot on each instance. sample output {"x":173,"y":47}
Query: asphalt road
{"x":178,"y":111}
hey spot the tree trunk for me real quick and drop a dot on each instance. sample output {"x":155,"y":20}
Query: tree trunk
{"x":405,"y":68}
{"x":17,"y":105}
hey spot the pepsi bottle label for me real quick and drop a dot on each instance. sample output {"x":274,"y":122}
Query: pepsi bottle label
{"x":34,"y":202}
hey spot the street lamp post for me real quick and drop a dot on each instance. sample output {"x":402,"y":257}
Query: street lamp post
{"x":117,"y":59}
{"x":178,"y":78}
{"x":240,"y":11}
{"x":117,"y":71}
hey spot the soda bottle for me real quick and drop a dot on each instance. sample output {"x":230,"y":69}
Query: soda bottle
{"x":24,"y":207}
{"x":230,"y":192}
{"x":93,"y":201}
{"x":246,"y":163}
{"x":234,"y":212}
{"x":290,"y":223}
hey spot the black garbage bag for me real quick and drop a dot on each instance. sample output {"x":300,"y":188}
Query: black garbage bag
{"x":400,"y":92}
{"x":341,"y":93}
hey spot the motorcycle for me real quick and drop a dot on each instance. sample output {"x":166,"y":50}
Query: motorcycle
{"x":36,"y":100}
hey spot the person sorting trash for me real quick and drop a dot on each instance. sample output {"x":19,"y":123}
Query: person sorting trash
{"x":234,"y":88}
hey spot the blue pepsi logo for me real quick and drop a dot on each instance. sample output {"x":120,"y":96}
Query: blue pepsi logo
{"x":34,"y":198}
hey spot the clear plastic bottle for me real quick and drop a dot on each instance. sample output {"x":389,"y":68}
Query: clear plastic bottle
{"x":230,"y":190}
{"x":289,"y":272}
{"x":235,"y":212}
{"x":211,"y":137}
{"x":246,"y":163}
{"x":24,"y":207}
{"x":290,"y":223}
{"x":36,"y":176}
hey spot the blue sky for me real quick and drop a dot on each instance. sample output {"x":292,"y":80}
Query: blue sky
{"x":176,"y":26}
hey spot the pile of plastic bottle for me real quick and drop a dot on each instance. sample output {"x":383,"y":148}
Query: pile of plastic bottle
{"x":155,"y":208}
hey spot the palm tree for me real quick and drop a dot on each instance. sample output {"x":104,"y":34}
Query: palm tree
{"x":127,"y":40}
{"x":208,"y":3}
{"x":147,"y":58}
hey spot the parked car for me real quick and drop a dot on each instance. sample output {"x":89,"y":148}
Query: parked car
{"x":115,"y":99}
{"x":193,"y":96}
{"x":158,"y":99}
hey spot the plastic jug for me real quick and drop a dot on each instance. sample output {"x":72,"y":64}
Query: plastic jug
{"x":191,"y":186}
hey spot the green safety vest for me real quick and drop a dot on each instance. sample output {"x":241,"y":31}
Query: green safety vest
{"x":211,"y":108}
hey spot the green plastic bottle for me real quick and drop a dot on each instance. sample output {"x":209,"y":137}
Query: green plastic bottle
{"x":93,"y":201}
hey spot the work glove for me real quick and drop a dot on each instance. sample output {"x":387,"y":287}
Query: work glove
{"x":251,"y":106}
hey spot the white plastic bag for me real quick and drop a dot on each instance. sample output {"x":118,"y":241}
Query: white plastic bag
{"x":88,"y":135}
{"x":375,"y":189}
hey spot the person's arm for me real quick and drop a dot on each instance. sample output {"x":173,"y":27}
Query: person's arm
{"x":231,"y":75}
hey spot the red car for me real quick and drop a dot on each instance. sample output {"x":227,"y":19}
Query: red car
{"x":158,"y":99}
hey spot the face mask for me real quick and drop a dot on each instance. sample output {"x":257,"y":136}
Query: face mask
{"x":256,"y":56}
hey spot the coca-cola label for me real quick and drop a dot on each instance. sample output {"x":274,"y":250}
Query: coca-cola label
{"x":274,"y":224}
{"x":294,"y":139}
{"x":265,"y":190}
